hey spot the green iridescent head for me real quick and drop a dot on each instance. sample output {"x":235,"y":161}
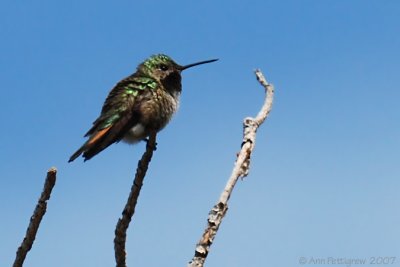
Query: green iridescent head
{"x":156,"y":61}
{"x":160,"y":66}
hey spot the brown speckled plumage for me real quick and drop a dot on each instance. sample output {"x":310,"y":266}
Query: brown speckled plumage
{"x":139,"y":104}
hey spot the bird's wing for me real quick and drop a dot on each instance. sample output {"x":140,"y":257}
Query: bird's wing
{"x":119,"y":114}
{"x":122,"y":98}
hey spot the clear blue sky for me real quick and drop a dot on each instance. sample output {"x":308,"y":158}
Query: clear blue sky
{"x":325,"y":174}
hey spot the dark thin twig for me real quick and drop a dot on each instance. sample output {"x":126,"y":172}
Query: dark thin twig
{"x":36,"y":218}
{"x":129,"y":210}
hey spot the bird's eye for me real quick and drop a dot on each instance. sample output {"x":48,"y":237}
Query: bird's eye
{"x":163,"y":67}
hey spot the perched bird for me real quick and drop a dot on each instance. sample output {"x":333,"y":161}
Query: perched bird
{"x":142,"y":103}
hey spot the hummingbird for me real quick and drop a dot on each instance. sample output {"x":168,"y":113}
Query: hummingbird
{"x":138,"y":105}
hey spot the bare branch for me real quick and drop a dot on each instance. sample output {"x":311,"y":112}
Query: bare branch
{"x":129,"y":210}
{"x":241,"y":169}
{"x":36,"y":218}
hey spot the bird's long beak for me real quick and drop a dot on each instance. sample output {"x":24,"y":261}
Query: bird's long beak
{"x":195,"y":64}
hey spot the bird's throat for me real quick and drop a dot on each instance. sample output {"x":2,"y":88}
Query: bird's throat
{"x":172,"y":83}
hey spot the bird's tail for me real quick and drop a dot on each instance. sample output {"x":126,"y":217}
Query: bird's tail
{"x":96,"y":143}
{"x":77,"y":153}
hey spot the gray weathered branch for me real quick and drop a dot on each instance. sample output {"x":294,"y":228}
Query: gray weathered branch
{"x":129,"y":210}
{"x":36,"y":218}
{"x":241,"y":169}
